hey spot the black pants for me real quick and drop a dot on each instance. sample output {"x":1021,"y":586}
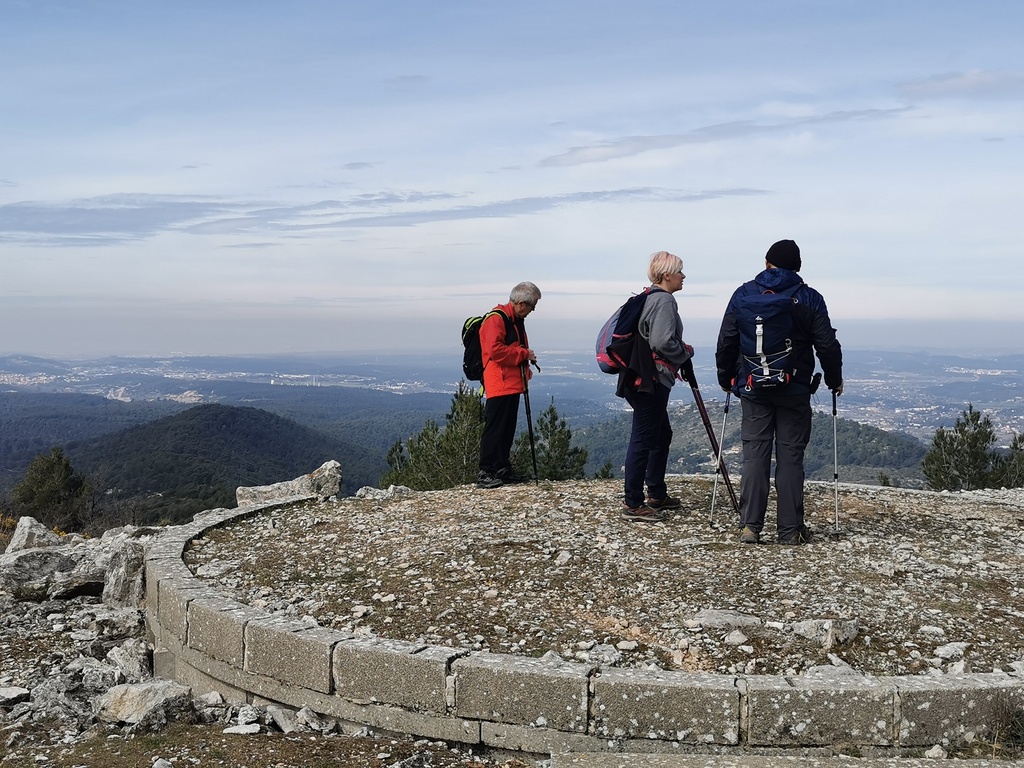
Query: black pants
{"x":782,"y":422}
{"x":500,"y":416}
{"x":649,"y":442}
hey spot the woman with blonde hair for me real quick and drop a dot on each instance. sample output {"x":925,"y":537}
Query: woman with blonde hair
{"x":647,"y":392}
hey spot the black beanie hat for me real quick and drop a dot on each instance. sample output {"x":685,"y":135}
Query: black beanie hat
{"x":784,"y":254}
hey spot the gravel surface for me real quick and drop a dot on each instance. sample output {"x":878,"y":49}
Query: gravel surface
{"x":911,"y":582}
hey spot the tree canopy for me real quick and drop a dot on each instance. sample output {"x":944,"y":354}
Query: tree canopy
{"x":53,"y":493}
{"x":437,"y":458}
{"x":963,"y":458}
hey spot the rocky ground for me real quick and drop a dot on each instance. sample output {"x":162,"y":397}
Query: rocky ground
{"x":913,"y":582}
{"x":62,"y":656}
{"x":909,"y":583}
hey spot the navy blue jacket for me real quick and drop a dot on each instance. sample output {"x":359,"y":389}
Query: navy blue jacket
{"x":813,"y":333}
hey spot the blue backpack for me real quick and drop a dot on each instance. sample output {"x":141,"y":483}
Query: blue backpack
{"x":766,"y":324}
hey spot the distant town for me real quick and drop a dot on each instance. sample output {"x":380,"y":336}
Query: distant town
{"x":909,"y":392}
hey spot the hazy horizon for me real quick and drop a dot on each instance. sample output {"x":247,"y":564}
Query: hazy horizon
{"x":967,"y":340}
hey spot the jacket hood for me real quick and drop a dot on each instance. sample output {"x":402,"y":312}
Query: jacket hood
{"x":777,"y":279}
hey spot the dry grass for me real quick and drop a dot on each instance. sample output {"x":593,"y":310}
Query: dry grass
{"x":7,"y":525}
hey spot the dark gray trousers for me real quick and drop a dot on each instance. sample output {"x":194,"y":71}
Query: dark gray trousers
{"x":782,"y":422}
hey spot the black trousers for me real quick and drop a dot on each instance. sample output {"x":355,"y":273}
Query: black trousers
{"x":649,"y":441}
{"x":500,"y":417}
{"x":782,"y":422}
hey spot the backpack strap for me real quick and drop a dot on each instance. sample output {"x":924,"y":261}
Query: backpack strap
{"x":511,"y":330}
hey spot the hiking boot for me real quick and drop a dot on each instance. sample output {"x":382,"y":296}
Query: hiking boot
{"x":509,"y":477}
{"x":487,"y":480}
{"x":801,"y":535}
{"x":642,"y":514}
{"x":749,"y":536}
{"x":669,"y":502}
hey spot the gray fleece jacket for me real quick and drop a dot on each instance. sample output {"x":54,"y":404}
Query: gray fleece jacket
{"x":660,"y":325}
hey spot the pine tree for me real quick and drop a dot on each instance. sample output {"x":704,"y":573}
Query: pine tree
{"x":1009,"y":471}
{"x":53,"y":493}
{"x":557,"y":458}
{"x":436,"y":458}
{"x":963,"y":458}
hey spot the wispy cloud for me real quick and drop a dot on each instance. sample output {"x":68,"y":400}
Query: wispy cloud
{"x":105,"y":219}
{"x":342,"y":217}
{"x":113,"y":219}
{"x":973,"y":84}
{"x":635,"y":145}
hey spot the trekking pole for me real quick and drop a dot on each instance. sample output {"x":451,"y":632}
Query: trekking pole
{"x":835,"y":455}
{"x":721,"y":447}
{"x":691,"y":379}
{"x":529,"y":423}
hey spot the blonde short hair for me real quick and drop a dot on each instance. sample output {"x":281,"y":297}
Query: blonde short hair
{"x":663,"y":263}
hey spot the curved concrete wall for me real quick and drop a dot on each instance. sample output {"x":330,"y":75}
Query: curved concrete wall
{"x":210,"y":642}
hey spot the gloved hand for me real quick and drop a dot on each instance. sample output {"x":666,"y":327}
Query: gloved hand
{"x":838,"y":390}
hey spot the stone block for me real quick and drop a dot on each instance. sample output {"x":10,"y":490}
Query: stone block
{"x":216,"y":627}
{"x":166,"y":547}
{"x":816,"y":711}
{"x":955,"y":709}
{"x":539,"y":741}
{"x":165,"y":664}
{"x":173,"y":597}
{"x":395,"y":672}
{"x":284,"y":649}
{"x":201,"y":683}
{"x":627,"y":760}
{"x":656,"y":704}
{"x":543,"y":693}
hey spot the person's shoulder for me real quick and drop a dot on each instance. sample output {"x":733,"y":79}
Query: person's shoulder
{"x":659,"y":297}
{"x":744,"y":289}
{"x":810,"y":296}
{"x":659,"y":303}
{"x":809,"y":290}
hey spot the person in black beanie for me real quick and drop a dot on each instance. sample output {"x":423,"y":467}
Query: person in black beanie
{"x":772,"y":329}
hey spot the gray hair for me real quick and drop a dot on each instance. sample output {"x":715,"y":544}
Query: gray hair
{"x":527,"y":293}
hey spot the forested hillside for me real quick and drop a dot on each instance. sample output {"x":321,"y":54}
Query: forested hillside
{"x":863,"y":451}
{"x":195,"y":460}
{"x":365,"y":422}
{"x":33,"y":423}
{"x":174,"y":460}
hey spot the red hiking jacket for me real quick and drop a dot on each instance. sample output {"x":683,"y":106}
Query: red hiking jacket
{"x":504,"y":356}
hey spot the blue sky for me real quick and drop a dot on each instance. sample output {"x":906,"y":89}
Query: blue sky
{"x":261,"y":177}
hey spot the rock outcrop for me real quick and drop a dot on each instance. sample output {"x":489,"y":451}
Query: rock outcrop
{"x":322,"y":483}
{"x":74,"y":651}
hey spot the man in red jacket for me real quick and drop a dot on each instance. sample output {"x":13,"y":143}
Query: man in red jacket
{"x":507,"y":356}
